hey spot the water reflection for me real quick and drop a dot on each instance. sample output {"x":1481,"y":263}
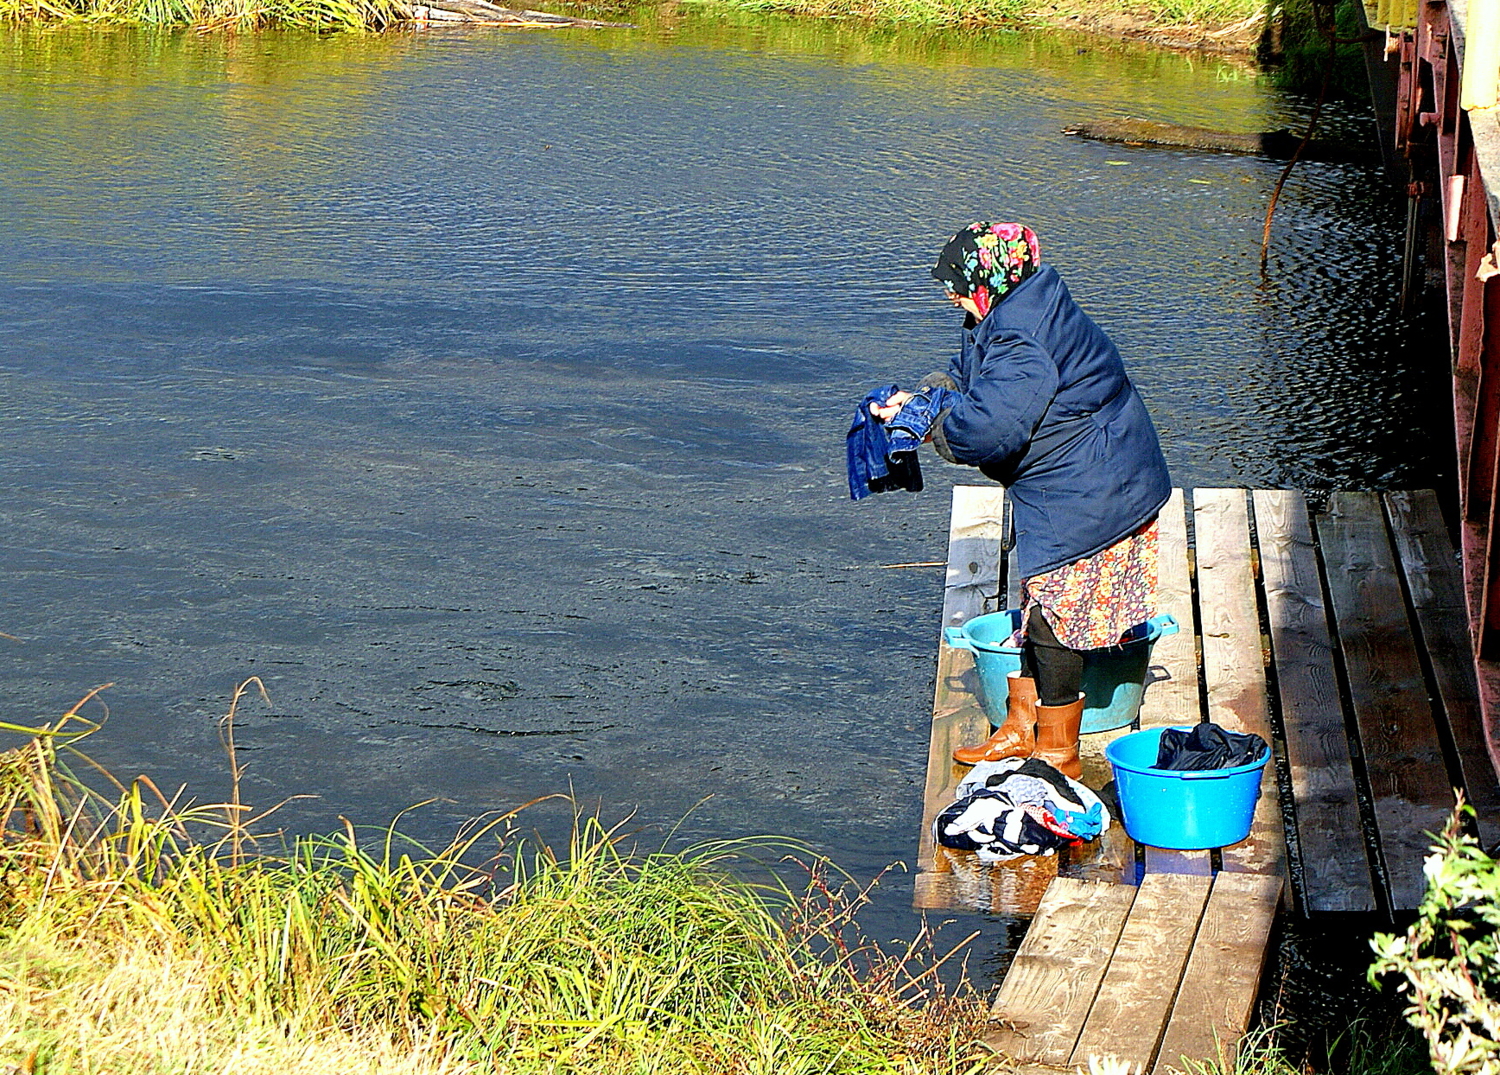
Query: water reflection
{"x":483,"y":392}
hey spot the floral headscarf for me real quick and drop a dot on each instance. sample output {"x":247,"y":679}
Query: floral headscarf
{"x":985,"y":261}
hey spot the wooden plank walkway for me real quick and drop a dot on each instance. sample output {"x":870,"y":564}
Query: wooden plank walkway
{"x":1149,"y":976}
{"x":1341,"y":638}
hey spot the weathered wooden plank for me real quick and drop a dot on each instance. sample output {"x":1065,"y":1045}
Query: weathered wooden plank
{"x":1336,"y":873}
{"x":1217,"y":995}
{"x":954,"y":879}
{"x":958,"y":720}
{"x":1233,"y":663}
{"x":1403,"y":761}
{"x":1056,"y":973}
{"x":1135,"y":997}
{"x":1191,"y":863}
{"x":1172,"y":695}
{"x":1172,"y":692}
{"x":974,"y":533}
{"x":1434,"y":581}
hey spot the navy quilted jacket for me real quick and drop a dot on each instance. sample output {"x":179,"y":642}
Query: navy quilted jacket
{"x":1048,"y":411}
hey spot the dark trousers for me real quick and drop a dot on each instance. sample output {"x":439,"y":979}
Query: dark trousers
{"x":1058,"y":670}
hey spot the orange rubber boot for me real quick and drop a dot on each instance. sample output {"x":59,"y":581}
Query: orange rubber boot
{"x":1057,"y":728}
{"x":1015,"y":738}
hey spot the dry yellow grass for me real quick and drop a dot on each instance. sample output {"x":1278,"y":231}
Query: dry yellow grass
{"x":112,"y":1003}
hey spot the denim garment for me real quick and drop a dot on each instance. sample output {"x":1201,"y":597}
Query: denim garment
{"x":874,"y":466}
{"x":915,"y":420}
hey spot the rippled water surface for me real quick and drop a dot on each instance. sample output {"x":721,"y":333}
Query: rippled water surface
{"x":483,"y":392}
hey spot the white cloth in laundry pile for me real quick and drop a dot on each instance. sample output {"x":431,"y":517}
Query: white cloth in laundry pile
{"x":1019,"y":806}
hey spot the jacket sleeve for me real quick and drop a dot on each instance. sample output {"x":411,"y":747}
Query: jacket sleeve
{"x":1006,"y":400}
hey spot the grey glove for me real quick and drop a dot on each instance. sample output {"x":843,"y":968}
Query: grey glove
{"x":939,"y":379}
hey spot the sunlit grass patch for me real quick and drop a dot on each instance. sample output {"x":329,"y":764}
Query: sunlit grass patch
{"x":319,"y":15}
{"x":140,"y":933}
{"x":913,"y":12}
{"x":1207,"y":14}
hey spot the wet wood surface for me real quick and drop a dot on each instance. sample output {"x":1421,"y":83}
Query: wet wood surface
{"x":1173,"y":697}
{"x":944,"y":879}
{"x":1145,"y":977}
{"x":1434,"y":581}
{"x":1216,"y":998}
{"x":1052,"y":983}
{"x":1135,"y":995}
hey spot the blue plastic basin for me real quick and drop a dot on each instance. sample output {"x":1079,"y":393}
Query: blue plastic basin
{"x":1114,"y":679}
{"x":1183,"y":811}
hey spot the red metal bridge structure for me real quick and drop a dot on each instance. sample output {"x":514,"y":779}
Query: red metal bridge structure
{"x":1446,"y":127}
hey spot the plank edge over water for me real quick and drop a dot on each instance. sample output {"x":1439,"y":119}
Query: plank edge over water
{"x":1434,"y":580}
{"x":1233,"y":665}
{"x":1398,"y":733}
{"x":1174,"y":699}
{"x":975,"y":530}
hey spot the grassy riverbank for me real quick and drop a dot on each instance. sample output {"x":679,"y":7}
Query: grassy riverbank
{"x":145,"y":934}
{"x":1232,"y":24}
{"x":138,"y":934}
{"x":318,"y":15}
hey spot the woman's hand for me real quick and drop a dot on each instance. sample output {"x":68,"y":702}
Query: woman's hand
{"x":893,"y":405}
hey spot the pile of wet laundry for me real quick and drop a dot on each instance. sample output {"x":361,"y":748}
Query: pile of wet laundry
{"x":1019,"y":806}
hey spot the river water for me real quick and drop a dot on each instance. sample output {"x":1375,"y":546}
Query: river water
{"x":483,"y":392}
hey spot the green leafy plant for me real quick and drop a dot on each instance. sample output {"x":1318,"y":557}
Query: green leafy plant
{"x":1449,"y":959}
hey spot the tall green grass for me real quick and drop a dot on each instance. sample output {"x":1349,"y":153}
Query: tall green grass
{"x":1367,"y":1045}
{"x":140,"y":933}
{"x":318,"y":15}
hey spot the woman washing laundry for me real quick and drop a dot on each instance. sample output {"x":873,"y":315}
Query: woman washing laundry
{"x":1038,"y":400}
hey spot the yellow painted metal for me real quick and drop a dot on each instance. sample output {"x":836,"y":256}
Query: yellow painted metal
{"x":1481,"y":67}
{"x":1393,"y":15}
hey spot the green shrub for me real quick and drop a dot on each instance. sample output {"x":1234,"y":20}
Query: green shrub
{"x":1302,"y":56}
{"x":1449,"y":959}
